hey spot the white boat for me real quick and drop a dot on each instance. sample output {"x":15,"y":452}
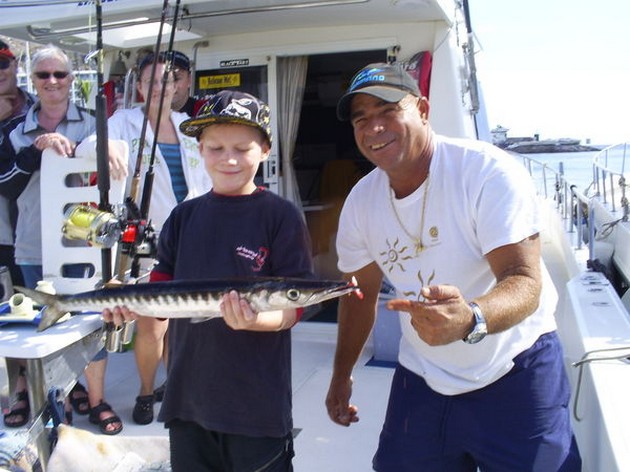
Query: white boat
{"x":590,"y":265}
{"x":299,"y":56}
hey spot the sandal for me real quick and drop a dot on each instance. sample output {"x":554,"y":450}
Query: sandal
{"x":95,"y":418}
{"x":20,"y":414}
{"x":79,"y":399}
{"x":143,"y":410}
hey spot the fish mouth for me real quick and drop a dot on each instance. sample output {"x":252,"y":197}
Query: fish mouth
{"x":352,"y":287}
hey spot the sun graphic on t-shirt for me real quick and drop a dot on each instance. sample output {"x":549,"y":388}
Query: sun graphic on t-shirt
{"x":394,"y":255}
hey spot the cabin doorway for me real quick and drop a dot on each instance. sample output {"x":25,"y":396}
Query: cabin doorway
{"x":326,"y":160}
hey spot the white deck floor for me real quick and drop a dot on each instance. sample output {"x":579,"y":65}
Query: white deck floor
{"x":320,"y":444}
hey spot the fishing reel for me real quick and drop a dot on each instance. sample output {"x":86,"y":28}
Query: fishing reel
{"x":98,"y":228}
{"x":103,"y":229}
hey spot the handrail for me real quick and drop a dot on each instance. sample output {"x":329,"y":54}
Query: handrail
{"x":608,"y":167}
{"x":616,"y":157}
{"x":551,"y":183}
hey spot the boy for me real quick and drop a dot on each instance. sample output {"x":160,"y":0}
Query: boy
{"x":228,"y":399}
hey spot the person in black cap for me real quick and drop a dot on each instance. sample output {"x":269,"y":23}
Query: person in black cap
{"x":181,"y":66}
{"x":182,"y":100}
{"x":454,"y":225}
{"x":228,"y":397}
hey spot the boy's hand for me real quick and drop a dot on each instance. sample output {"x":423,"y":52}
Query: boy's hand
{"x":118,"y":315}
{"x":236,"y":312}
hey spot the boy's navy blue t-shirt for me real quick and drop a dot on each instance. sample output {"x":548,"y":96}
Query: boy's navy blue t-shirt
{"x":225,"y":380}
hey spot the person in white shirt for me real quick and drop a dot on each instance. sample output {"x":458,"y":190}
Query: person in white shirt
{"x":453,"y":225}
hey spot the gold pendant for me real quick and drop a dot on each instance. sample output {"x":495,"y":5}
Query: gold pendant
{"x":419,"y":247}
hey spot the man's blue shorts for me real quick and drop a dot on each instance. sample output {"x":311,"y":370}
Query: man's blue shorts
{"x":521,"y":422}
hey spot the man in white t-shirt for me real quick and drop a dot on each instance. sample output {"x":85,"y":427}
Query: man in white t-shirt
{"x":454,"y":225}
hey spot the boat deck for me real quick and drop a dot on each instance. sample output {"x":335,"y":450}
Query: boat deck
{"x":319,"y":443}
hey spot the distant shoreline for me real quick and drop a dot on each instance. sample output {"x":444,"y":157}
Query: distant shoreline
{"x":537,"y":147}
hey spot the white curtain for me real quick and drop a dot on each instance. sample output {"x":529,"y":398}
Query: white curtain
{"x":291,"y":84}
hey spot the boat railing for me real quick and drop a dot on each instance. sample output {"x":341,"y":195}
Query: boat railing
{"x":609,"y":166}
{"x":552,"y":185}
{"x":609,"y":185}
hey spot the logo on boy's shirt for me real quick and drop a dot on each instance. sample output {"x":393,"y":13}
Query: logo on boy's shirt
{"x":258,"y":257}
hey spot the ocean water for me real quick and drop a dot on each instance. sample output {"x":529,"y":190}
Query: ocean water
{"x":578,"y":166}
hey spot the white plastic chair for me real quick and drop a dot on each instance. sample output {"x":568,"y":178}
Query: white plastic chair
{"x":56,"y":195}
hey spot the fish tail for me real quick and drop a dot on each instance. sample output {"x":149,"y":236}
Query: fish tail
{"x":51,"y":314}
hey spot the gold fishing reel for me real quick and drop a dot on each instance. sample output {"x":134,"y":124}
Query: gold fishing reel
{"x":86,"y":223}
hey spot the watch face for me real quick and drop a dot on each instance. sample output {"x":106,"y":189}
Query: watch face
{"x":475,"y":337}
{"x":477,"y":334}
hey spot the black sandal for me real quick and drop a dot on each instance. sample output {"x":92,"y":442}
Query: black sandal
{"x":81,"y":403}
{"x":95,"y":418}
{"x":23,"y":412}
{"x":143,"y":409}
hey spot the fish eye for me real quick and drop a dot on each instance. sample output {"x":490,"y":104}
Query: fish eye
{"x":293,"y":294}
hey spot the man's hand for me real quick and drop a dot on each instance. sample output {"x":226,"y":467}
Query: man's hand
{"x":338,"y":402}
{"x":118,"y":164}
{"x":442,"y":318}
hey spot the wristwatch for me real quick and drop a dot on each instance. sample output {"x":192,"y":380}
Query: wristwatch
{"x":480,"y":330}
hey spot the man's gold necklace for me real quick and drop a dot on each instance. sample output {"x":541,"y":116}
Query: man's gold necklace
{"x":417,"y":241}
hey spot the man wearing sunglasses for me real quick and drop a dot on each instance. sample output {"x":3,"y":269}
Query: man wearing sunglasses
{"x":14,"y":103}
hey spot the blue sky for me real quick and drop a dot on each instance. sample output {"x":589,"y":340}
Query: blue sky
{"x":559,"y":68}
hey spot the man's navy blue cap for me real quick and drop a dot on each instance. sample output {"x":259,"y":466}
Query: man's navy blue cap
{"x":230,"y":106}
{"x":179,"y":59}
{"x":389,"y":82}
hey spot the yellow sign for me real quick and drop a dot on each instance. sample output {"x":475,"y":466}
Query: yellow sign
{"x":219,"y":81}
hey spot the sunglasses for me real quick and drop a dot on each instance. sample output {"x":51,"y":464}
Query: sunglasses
{"x":46,"y":75}
{"x":4,"y":64}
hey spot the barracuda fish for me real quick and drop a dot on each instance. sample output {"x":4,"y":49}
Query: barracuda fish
{"x":195,"y":299}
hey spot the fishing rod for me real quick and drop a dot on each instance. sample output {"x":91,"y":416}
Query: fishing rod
{"x":138,"y":238}
{"x":102,"y":152}
{"x":130,"y":227}
{"x":145,"y":202}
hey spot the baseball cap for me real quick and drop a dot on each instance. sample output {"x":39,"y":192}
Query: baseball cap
{"x":389,"y":82}
{"x":229,"y":106}
{"x":5,"y":51}
{"x":180,"y":60}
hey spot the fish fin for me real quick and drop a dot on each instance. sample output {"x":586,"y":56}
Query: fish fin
{"x":41,"y":298}
{"x":50,"y":314}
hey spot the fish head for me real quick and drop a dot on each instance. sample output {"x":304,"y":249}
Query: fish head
{"x":296,"y":293}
